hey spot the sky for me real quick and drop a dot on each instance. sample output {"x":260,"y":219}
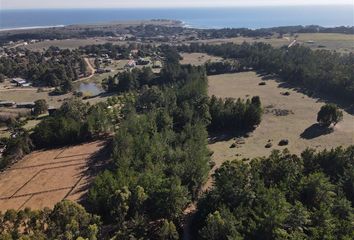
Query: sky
{"x":34,"y":4}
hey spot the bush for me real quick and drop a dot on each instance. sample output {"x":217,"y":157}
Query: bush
{"x":283,"y":142}
{"x":268,"y":145}
{"x":40,"y":107}
{"x":329,"y":114}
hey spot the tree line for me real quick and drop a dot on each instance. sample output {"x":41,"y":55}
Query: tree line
{"x":322,"y":71}
{"x":54,"y":67}
{"x":73,"y":123}
{"x":160,"y":159}
{"x":283,"y":196}
{"x":67,"y":220}
{"x":232,"y":116}
{"x":151,"y":31}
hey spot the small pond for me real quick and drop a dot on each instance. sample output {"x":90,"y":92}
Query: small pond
{"x":91,"y":89}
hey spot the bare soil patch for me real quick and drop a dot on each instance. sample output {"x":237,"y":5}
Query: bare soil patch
{"x":44,"y":178}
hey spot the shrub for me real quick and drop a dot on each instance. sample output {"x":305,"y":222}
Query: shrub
{"x":329,"y":114}
{"x":283,"y":142}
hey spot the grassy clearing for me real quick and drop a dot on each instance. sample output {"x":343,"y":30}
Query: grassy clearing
{"x":67,"y":43}
{"x":297,"y":125}
{"x":198,"y":58}
{"x":25,"y":95}
{"x":331,"y":41}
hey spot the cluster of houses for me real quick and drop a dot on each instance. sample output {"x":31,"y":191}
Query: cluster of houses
{"x":11,"y":52}
{"x":143,"y":61}
{"x":155,"y":62}
{"x":135,"y":60}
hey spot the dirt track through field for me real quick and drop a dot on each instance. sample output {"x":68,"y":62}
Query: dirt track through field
{"x":44,"y":178}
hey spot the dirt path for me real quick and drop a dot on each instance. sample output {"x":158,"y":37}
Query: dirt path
{"x":91,"y":69}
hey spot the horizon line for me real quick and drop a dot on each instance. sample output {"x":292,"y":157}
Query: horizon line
{"x":181,"y":7}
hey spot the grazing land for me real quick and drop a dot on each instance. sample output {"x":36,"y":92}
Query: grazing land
{"x":198,"y":59}
{"x":330,"y":41}
{"x":31,"y":95}
{"x":44,"y":178}
{"x":291,"y":117}
{"x":68,"y":43}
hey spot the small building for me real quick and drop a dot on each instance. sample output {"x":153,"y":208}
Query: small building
{"x":26,"y":85}
{"x":144,"y":61}
{"x":25,"y":105}
{"x":130,"y":64}
{"x":103,"y":70}
{"x":19,"y":81}
{"x":7,"y":103}
{"x":293,"y":43}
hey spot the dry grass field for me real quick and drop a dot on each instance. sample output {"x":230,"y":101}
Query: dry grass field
{"x":298,"y":127}
{"x":331,"y":41}
{"x":274,"y":41}
{"x":44,"y":178}
{"x":68,"y":43}
{"x":198,"y":58}
{"x":31,"y":95}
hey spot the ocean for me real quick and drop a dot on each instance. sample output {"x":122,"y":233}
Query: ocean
{"x":236,"y":17}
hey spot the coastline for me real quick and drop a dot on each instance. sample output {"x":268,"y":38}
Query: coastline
{"x":167,"y":22}
{"x":203,"y":18}
{"x":30,"y":28}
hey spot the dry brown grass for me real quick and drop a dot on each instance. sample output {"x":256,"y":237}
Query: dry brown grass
{"x":31,"y":95}
{"x":68,"y":43}
{"x":303,"y":115}
{"x":198,"y":58}
{"x":44,"y":178}
{"x":331,"y":41}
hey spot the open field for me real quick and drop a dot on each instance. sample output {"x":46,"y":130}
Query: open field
{"x":298,"y":127}
{"x":44,"y":178}
{"x":331,"y":41}
{"x":274,"y":41}
{"x":31,"y":95}
{"x":198,"y":58}
{"x":66,"y":43}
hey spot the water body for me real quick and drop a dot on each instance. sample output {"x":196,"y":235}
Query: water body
{"x":250,"y":17}
{"x":90,"y":89}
